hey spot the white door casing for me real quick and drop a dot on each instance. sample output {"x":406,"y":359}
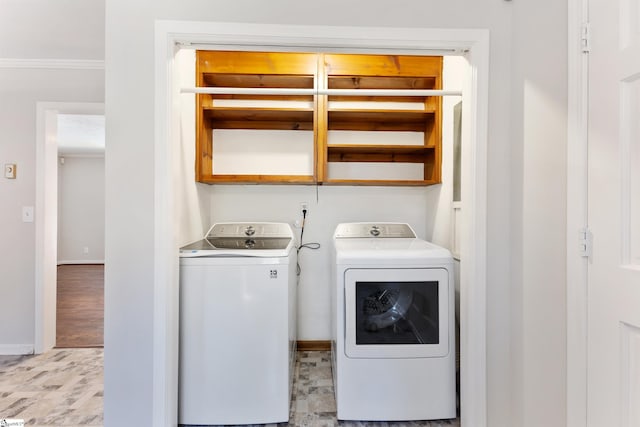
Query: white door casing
{"x":577,"y":87}
{"x":46,"y":244}
{"x":613,"y":308}
{"x":46,"y":217}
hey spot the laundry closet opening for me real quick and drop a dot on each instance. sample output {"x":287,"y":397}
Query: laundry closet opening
{"x":189,"y":207}
{"x":235,"y":107}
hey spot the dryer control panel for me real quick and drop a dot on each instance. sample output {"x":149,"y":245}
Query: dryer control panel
{"x":373,"y":230}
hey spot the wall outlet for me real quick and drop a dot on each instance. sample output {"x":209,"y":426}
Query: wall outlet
{"x":304,"y":206}
{"x":10,"y":170}
{"x":85,"y":250}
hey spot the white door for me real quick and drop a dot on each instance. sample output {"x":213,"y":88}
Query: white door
{"x":613,"y":376}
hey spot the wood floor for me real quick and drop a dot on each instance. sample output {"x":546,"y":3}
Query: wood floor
{"x":80,"y":307}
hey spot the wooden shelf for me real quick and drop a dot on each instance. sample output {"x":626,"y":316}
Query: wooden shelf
{"x":259,"y":118}
{"x":380,"y":82}
{"x":263,"y":179}
{"x":378,"y":153}
{"x":379,"y":120}
{"x":381,"y":182}
{"x":257,"y":80}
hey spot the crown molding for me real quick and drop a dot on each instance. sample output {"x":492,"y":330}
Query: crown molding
{"x":52,"y":64}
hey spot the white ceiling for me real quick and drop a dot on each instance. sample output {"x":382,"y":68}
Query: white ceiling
{"x":80,"y":134}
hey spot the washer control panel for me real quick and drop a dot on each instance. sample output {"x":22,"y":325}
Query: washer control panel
{"x":253,"y":230}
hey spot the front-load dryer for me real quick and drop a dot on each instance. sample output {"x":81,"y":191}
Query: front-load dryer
{"x":237,"y":325}
{"x":393,"y":337}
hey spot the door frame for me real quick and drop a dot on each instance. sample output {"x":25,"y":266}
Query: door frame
{"x":577,"y":213}
{"x":472,"y":43}
{"x":46,"y":218}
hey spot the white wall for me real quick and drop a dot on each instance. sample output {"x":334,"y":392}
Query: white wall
{"x":61,"y":29}
{"x":440,"y":215}
{"x":35,"y":29}
{"x":193,"y":206}
{"x":81,"y":210}
{"x":538,"y":132}
{"x":20,"y":89}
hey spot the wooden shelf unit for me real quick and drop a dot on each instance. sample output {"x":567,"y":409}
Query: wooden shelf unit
{"x":255,"y":70}
{"x":323,"y":114}
{"x":383,"y":113}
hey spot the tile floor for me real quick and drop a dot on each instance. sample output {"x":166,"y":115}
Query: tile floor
{"x":313,"y":403}
{"x":64,"y":388}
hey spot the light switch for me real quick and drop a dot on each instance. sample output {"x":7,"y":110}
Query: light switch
{"x":27,"y":214}
{"x":10,"y":170}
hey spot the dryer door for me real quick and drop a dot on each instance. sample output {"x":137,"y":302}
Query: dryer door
{"x":397,"y":313}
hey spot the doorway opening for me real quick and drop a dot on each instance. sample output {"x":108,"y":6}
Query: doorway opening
{"x":80,"y":282}
{"x":70,"y":225}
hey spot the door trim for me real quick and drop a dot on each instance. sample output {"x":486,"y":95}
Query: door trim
{"x":577,"y":216}
{"x":46,"y":218}
{"x":472,"y":43}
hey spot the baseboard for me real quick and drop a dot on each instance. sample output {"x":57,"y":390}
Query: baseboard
{"x":21,"y":349}
{"x":81,"y":261}
{"x":314,"y":345}
{"x":16,"y":349}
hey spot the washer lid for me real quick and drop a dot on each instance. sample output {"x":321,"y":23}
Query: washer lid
{"x":380,"y":230}
{"x":243,"y":239}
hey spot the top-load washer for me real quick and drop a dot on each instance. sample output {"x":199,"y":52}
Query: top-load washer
{"x":237,"y":325}
{"x":393,"y":337}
